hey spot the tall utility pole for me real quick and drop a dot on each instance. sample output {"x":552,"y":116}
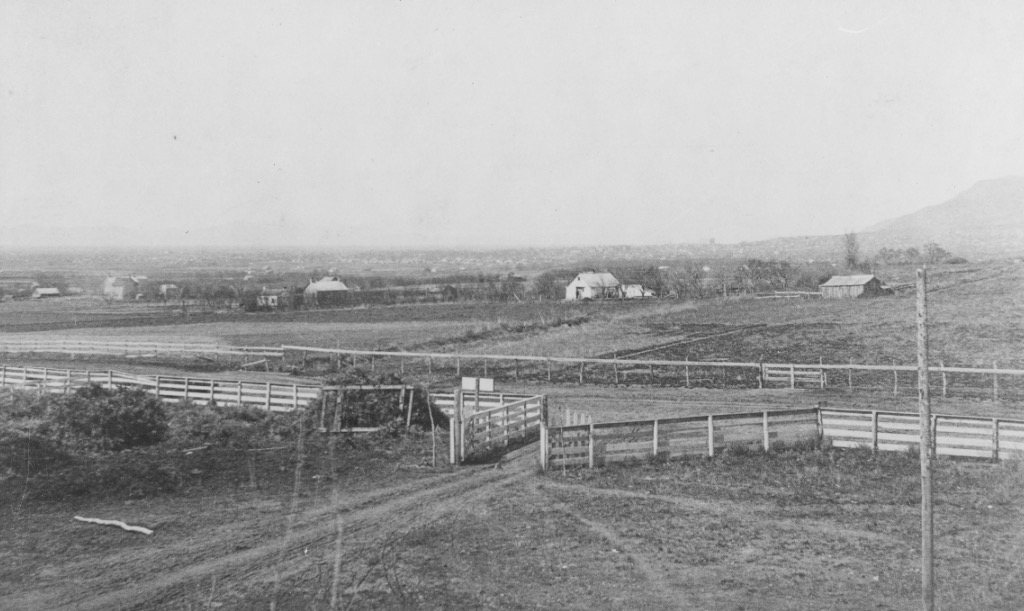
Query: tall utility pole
{"x":927,"y":523}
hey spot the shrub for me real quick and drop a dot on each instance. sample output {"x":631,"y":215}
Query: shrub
{"x":98,"y":419}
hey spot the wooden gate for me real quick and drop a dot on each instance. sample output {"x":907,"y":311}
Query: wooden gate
{"x":793,"y":376}
{"x":477,"y":428}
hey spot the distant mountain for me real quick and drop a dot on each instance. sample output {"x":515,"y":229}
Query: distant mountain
{"x":985,"y":220}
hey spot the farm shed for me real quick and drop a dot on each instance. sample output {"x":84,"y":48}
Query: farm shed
{"x":274,"y":298}
{"x":851,"y":287}
{"x":170,"y":291}
{"x":327,"y":291}
{"x":593,"y":285}
{"x":40,"y":292}
{"x":636,"y":291}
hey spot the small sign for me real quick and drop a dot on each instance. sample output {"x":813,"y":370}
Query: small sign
{"x":486,"y":384}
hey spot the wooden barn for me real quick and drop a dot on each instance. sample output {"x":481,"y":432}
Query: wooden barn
{"x":593,"y":285}
{"x":851,"y":287}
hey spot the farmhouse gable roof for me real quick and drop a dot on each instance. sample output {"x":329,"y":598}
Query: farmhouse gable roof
{"x":604,"y":279}
{"x":858,"y":280}
{"x":327,"y":283}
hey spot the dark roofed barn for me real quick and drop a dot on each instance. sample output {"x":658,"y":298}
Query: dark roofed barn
{"x":851,"y":287}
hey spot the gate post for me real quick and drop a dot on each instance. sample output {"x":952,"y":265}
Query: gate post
{"x":455,"y":429}
{"x":544,"y":433}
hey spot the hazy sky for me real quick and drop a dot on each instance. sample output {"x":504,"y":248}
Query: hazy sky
{"x":447,"y":122}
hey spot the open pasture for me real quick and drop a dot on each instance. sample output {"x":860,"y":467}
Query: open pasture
{"x":365,"y":527}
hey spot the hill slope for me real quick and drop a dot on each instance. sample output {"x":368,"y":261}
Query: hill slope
{"x":986,"y":219}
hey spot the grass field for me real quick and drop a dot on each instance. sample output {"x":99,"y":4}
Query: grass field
{"x":371,"y":527}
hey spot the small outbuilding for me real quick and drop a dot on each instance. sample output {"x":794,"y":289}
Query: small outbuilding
{"x":326,"y":292}
{"x":170,"y":291}
{"x":851,"y":287}
{"x":42,"y":293}
{"x":593,"y":285}
{"x":274,"y":298}
{"x":637,"y":291}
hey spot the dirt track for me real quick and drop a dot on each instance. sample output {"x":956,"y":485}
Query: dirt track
{"x":243,"y":555}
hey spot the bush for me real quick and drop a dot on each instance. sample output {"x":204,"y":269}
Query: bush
{"x":97,"y":419}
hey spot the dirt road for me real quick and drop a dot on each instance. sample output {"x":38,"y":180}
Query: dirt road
{"x":246,"y":557}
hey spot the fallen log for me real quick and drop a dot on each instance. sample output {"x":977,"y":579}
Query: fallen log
{"x":118,"y":523}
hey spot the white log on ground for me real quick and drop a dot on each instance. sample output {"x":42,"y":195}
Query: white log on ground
{"x":118,"y":523}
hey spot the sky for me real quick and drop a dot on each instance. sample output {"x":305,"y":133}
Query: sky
{"x":448,"y":123}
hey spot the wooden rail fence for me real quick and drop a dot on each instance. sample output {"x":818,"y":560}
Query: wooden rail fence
{"x":713,"y":373}
{"x":475,"y":431}
{"x":716,"y":373}
{"x":591,"y":445}
{"x":132,"y":349}
{"x":262,"y":395}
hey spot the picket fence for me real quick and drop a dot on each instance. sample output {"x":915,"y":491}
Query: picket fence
{"x":597,"y":444}
{"x":262,"y":395}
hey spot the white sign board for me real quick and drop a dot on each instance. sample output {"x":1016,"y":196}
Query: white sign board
{"x":486,"y":384}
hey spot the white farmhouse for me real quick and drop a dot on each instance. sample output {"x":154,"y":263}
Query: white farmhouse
{"x":593,"y":285}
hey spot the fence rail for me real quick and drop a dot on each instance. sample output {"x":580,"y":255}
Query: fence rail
{"x":262,"y":395}
{"x":971,"y":380}
{"x":475,"y":429}
{"x":485,"y":400}
{"x":952,"y":435}
{"x":75,"y":347}
{"x":604,"y":443}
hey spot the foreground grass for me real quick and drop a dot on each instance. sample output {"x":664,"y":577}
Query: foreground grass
{"x":836,"y":529}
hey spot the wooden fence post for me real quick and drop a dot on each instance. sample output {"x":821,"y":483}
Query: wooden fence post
{"x":792,"y":376}
{"x":186,"y":389}
{"x":590,"y":447}
{"x":711,"y":437}
{"x":458,"y":366}
{"x":650,"y":371}
{"x":543,"y":440}
{"x":295,"y":396}
{"x":995,"y":438}
{"x":767,"y":438}
{"x":615,"y":366}
{"x":687,"y":369}
{"x":516,"y":364}
{"x":850,"y":378}
{"x":110,"y":379}
{"x":485,"y":368}
{"x":895,"y":379}
{"x":654,"y":444}
{"x":943,"y":367}
{"x":995,"y":381}
{"x":874,"y":431}
{"x":549,"y":370}
{"x":430,"y":366}
{"x":821,"y":371}
{"x":157,"y":386}
{"x":239,"y":393}
{"x":453,"y":426}
{"x":581,"y":372}
{"x":268,"y":396}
